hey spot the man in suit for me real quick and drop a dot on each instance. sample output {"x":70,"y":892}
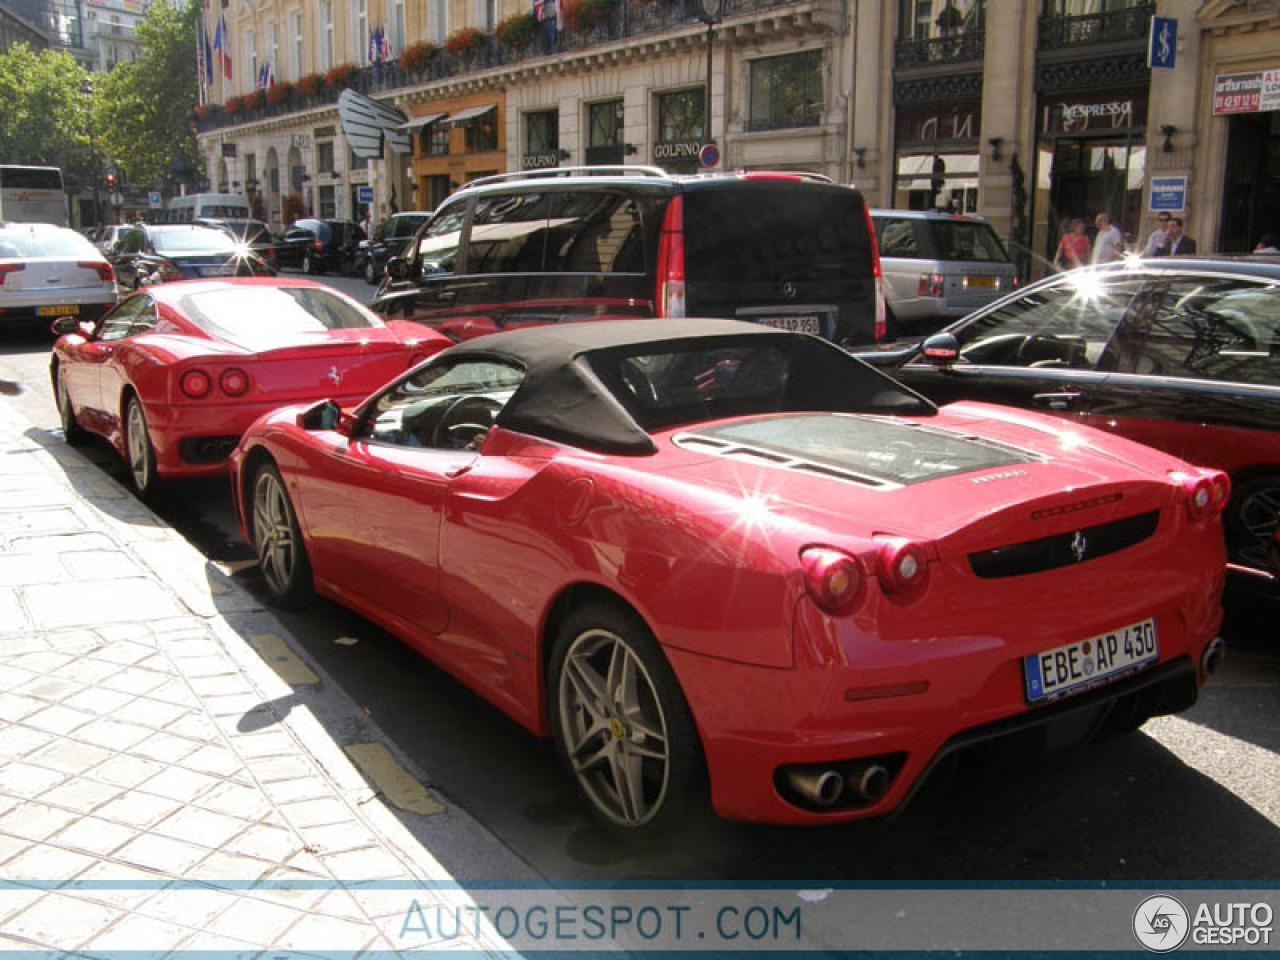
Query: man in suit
{"x":1175,"y":242}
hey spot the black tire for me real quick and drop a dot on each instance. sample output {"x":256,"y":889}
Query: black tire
{"x":140,"y":455}
{"x":1251,"y":518}
{"x":277,"y":540}
{"x":309,"y":265}
{"x":370,"y":274}
{"x":72,"y":432}
{"x":654,"y":735}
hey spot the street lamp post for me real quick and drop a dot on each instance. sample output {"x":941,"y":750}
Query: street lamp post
{"x":710,"y":16}
{"x":86,"y":90}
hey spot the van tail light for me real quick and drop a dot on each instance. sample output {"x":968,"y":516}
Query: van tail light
{"x":880,"y":328}
{"x":234,"y":382}
{"x":318,"y":244}
{"x":8,"y":268}
{"x":930,"y":285}
{"x":195,"y":384}
{"x":832,"y":578}
{"x":902,"y":567}
{"x":100,"y":267}
{"x":1207,"y":494}
{"x":670,"y":292}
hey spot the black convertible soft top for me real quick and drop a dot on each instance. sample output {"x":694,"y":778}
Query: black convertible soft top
{"x":575,"y":389}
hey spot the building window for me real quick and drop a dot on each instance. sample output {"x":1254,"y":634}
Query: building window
{"x":398,"y":31}
{"x":328,"y":203}
{"x":436,"y":140}
{"x":250,"y":61}
{"x":437,"y":21}
{"x":542,"y":132}
{"x":325,"y":40}
{"x":275,"y":47}
{"x":682,"y":115}
{"x":482,"y":133}
{"x":786,"y":91}
{"x":295,"y":32}
{"x":604,"y":124}
{"x":486,"y":14}
{"x":439,"y":187}
{"x":932,"y":19}
{"x":324,"y":157}
{"x":357,"y":162}
{"x":360,"y":31}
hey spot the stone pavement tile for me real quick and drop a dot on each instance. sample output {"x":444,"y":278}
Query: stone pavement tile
{"x":14,"y":899}
{"x":215,"y":760}
{"x":382,"y":902}
{"x":44,"y":863}
{"x":18,"y":779}
{"x":94,"y":835}
{"x":292,"y":888}
{"x":309,"y":864}
{"x":371,"y":863}
{"x":124,"y":652}
{"x":229,"y":867}
{"x":116,"y":885}
{"x":95,"y":700}
{"x":269,"y":843}
{"x":24,"y":570}
{"x":211,"y":664}
{"x":341,"y":904}
{"x":235,"y":800}
{"x":138,"y":934}
{"x":236,"y":705}
{"x":131,"y":600}
{"x":41,"y":662}
{"x":34,"y":821}
{"x":138,"y":809}
{"x":273,"y":769}
{"x":195,"y":726}
{"x":225,"y":948}
{"x":211,"y":830}
{"x":255,"y":920}
{"x":63,"y":543}
{"x":14,"y":708}
{"x":57,"y":719}
{"x":192,"y":906}
{"x":222,"y":686}
{"x":134,"y":680}
{"x":297,"y":790}
{"x":269,"y":743}
{"x":179,"y":783}
{"x":161,"y":854}
{"x":52,"y":689}
{"x":317,"y":813}
{"x":77,"y":641}
{"x":126,"y":771}
{"x":10,"y":847}
{"x":92,"y":671}
{"x":113,"y":734}
{"x":165,"y":748}
{"x":69,"y":756}
{"x":13,"y":618}
{"x":101,"y":565}
{"x":17,"y":742}
{"x":176,"y":692}
{"x":151,"y":712}
{"x":338,"y":838}
{"x":324,"y":934}
{"x":24,"y":523}
{"x":80,"y":794}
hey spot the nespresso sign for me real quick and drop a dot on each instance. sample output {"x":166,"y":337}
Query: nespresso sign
{"x":677,"y":150}
{"x":540,"y":161}
{"x":1074,"y":114}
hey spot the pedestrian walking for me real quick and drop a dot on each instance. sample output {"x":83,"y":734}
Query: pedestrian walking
{"x":1108,"y":245}
{"x":1073,"y":248}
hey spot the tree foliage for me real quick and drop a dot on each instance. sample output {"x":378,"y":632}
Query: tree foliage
{"x":143,"y":108}
{"x":45,"y":117}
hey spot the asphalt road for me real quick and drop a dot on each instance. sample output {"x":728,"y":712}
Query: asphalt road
{"x":1188,"y":797}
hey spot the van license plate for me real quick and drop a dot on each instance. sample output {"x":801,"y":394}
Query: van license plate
{"x":1089,"y":663}
{"x":70,"y":310}
{"x":796,"y":324}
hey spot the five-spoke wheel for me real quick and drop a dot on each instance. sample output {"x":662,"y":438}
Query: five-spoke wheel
{"x":282,"y":556}
{"x":1251,"y":520}
{"x":139,"y":452}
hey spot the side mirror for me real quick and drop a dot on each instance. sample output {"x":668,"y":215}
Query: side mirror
{"x":941,"y":349}
{"x":397,"y":268}
{"x":65,"y":325}
{"x":326,"y":415}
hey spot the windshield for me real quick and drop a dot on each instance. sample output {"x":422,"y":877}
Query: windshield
{"x":194,"y":240}
{"x":46,"y":243}
{"x":256,"y":317}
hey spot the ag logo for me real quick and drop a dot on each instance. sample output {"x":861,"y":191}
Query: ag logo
{"x":1161,"y":923}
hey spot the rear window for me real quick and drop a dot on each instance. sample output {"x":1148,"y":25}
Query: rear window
{"x":46,"y":243}
{"x":773,"y":234}
{"x":967,"y":240}
{"x":256,"y":316}
{"x":194,"y":240}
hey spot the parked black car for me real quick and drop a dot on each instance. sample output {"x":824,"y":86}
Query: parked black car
{"x":158,"y":253}
{"x":1178,"y":353}
{"x":790,"y":250}
{"x":319,"y":246}
{"x":389,"y":240}
{"x":254,"y":234}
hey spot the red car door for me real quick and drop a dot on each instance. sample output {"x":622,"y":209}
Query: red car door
{"x":93,"y":385}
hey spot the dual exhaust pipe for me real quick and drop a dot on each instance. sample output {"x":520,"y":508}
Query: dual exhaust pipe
{"x":1211,"y":659}
{"x":867,"y":782}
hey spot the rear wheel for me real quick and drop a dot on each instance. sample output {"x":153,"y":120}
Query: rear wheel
{"x":308,"y":265}
{"x":141,"y":455}
{"x":72,"y":432}
{"x":370,"y":274}
{"x":282,"y":555}
{"x":1251,"y":520}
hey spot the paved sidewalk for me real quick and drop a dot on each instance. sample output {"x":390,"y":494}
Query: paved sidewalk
{"x":171,"y":777}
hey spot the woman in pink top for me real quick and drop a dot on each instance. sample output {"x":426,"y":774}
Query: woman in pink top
{"x":1073,"y":248}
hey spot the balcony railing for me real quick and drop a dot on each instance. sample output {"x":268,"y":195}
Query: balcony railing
{"x":1111,"y":26}
{"x":960,"y":48}
{"x":628,"y":19}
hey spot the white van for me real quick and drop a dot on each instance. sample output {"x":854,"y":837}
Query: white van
{"x":220,"y":206}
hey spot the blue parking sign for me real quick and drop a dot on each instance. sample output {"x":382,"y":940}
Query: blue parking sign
{"x":364,"y":194}
{"x":1162,"y":44}
{"x":1168,"y":194}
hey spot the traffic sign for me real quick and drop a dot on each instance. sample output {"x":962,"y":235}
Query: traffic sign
{"x":709,"y":155}
{"x":364,"y":194}
{"x":1162,"y":43}
{"x":153,"y":199}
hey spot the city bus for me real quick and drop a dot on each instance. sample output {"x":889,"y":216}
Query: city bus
{"x":32,"y":195}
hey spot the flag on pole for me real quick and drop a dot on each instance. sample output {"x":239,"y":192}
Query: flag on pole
{"x":208,"y":60}
{"x":222,"y":44}
{"x":200,"y":62}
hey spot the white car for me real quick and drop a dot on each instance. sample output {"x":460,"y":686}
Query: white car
{"x":48,"y":272}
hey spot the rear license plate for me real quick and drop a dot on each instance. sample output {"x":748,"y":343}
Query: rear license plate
{"x":1088,"y":663}
{"x":796,"y":324}
{"x":69,"y":310}
{"x":223,"y":271}
{"x":985,"y":283}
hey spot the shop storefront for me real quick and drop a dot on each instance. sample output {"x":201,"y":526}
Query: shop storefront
{"x":936,"y":159}
{"x":454,"y":142}
{"x":1250,"y":104}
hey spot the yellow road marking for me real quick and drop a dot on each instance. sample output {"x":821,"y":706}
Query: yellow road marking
{"x":380,"y":768}
{"x":287,"y":665}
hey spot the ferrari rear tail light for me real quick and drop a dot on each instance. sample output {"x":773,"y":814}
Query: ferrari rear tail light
{"x":8,"y":268}
{"x":930,"y":285}
{"x":1207,"y":494}
{"x":903,"y":567}
{"x":670,"y":292}
{"x":234,"y":382}
{"x":195,"y":384}
{"x":101,"y":267}
{"x":880,"y":326}
{"x":832,"y":578}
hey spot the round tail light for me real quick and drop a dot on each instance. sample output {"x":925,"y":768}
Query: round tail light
{"x":903,"y":567}
{"x":234,"y":382}
{"x":833,"y":579}
{"x":195,"y":384}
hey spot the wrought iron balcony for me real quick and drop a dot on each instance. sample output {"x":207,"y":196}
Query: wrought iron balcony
{"x":1128,"y":24}
{"x":936,"y":51}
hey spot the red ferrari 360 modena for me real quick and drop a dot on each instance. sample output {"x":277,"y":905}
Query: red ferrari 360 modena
{"x":174,"y":374}
{"x":703,"y":553}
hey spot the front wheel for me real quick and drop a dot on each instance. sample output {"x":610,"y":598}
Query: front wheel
{"x":140,"y":453}
{"x":72,"y":432}
{"x":621,"y":724}
{"x":282,"y":555}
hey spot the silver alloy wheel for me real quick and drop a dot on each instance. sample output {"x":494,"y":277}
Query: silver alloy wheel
{"x":139,"y":447}
{"x":1259,"y":513}
{"x":65,"y":413}
{"x":273,"y":532}
{"x":613,"y":726}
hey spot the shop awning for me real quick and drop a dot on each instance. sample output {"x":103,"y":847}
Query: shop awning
{"x":469,"y":114}
{"x":366,"y":122}
{"x":417,"y":123}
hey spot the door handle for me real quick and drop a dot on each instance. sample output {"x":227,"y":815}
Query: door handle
{"x":457,"y":471}
{"x":1058,"y":399}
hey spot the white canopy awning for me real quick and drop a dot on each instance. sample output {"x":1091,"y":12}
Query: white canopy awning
{"x":469,"y":114}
